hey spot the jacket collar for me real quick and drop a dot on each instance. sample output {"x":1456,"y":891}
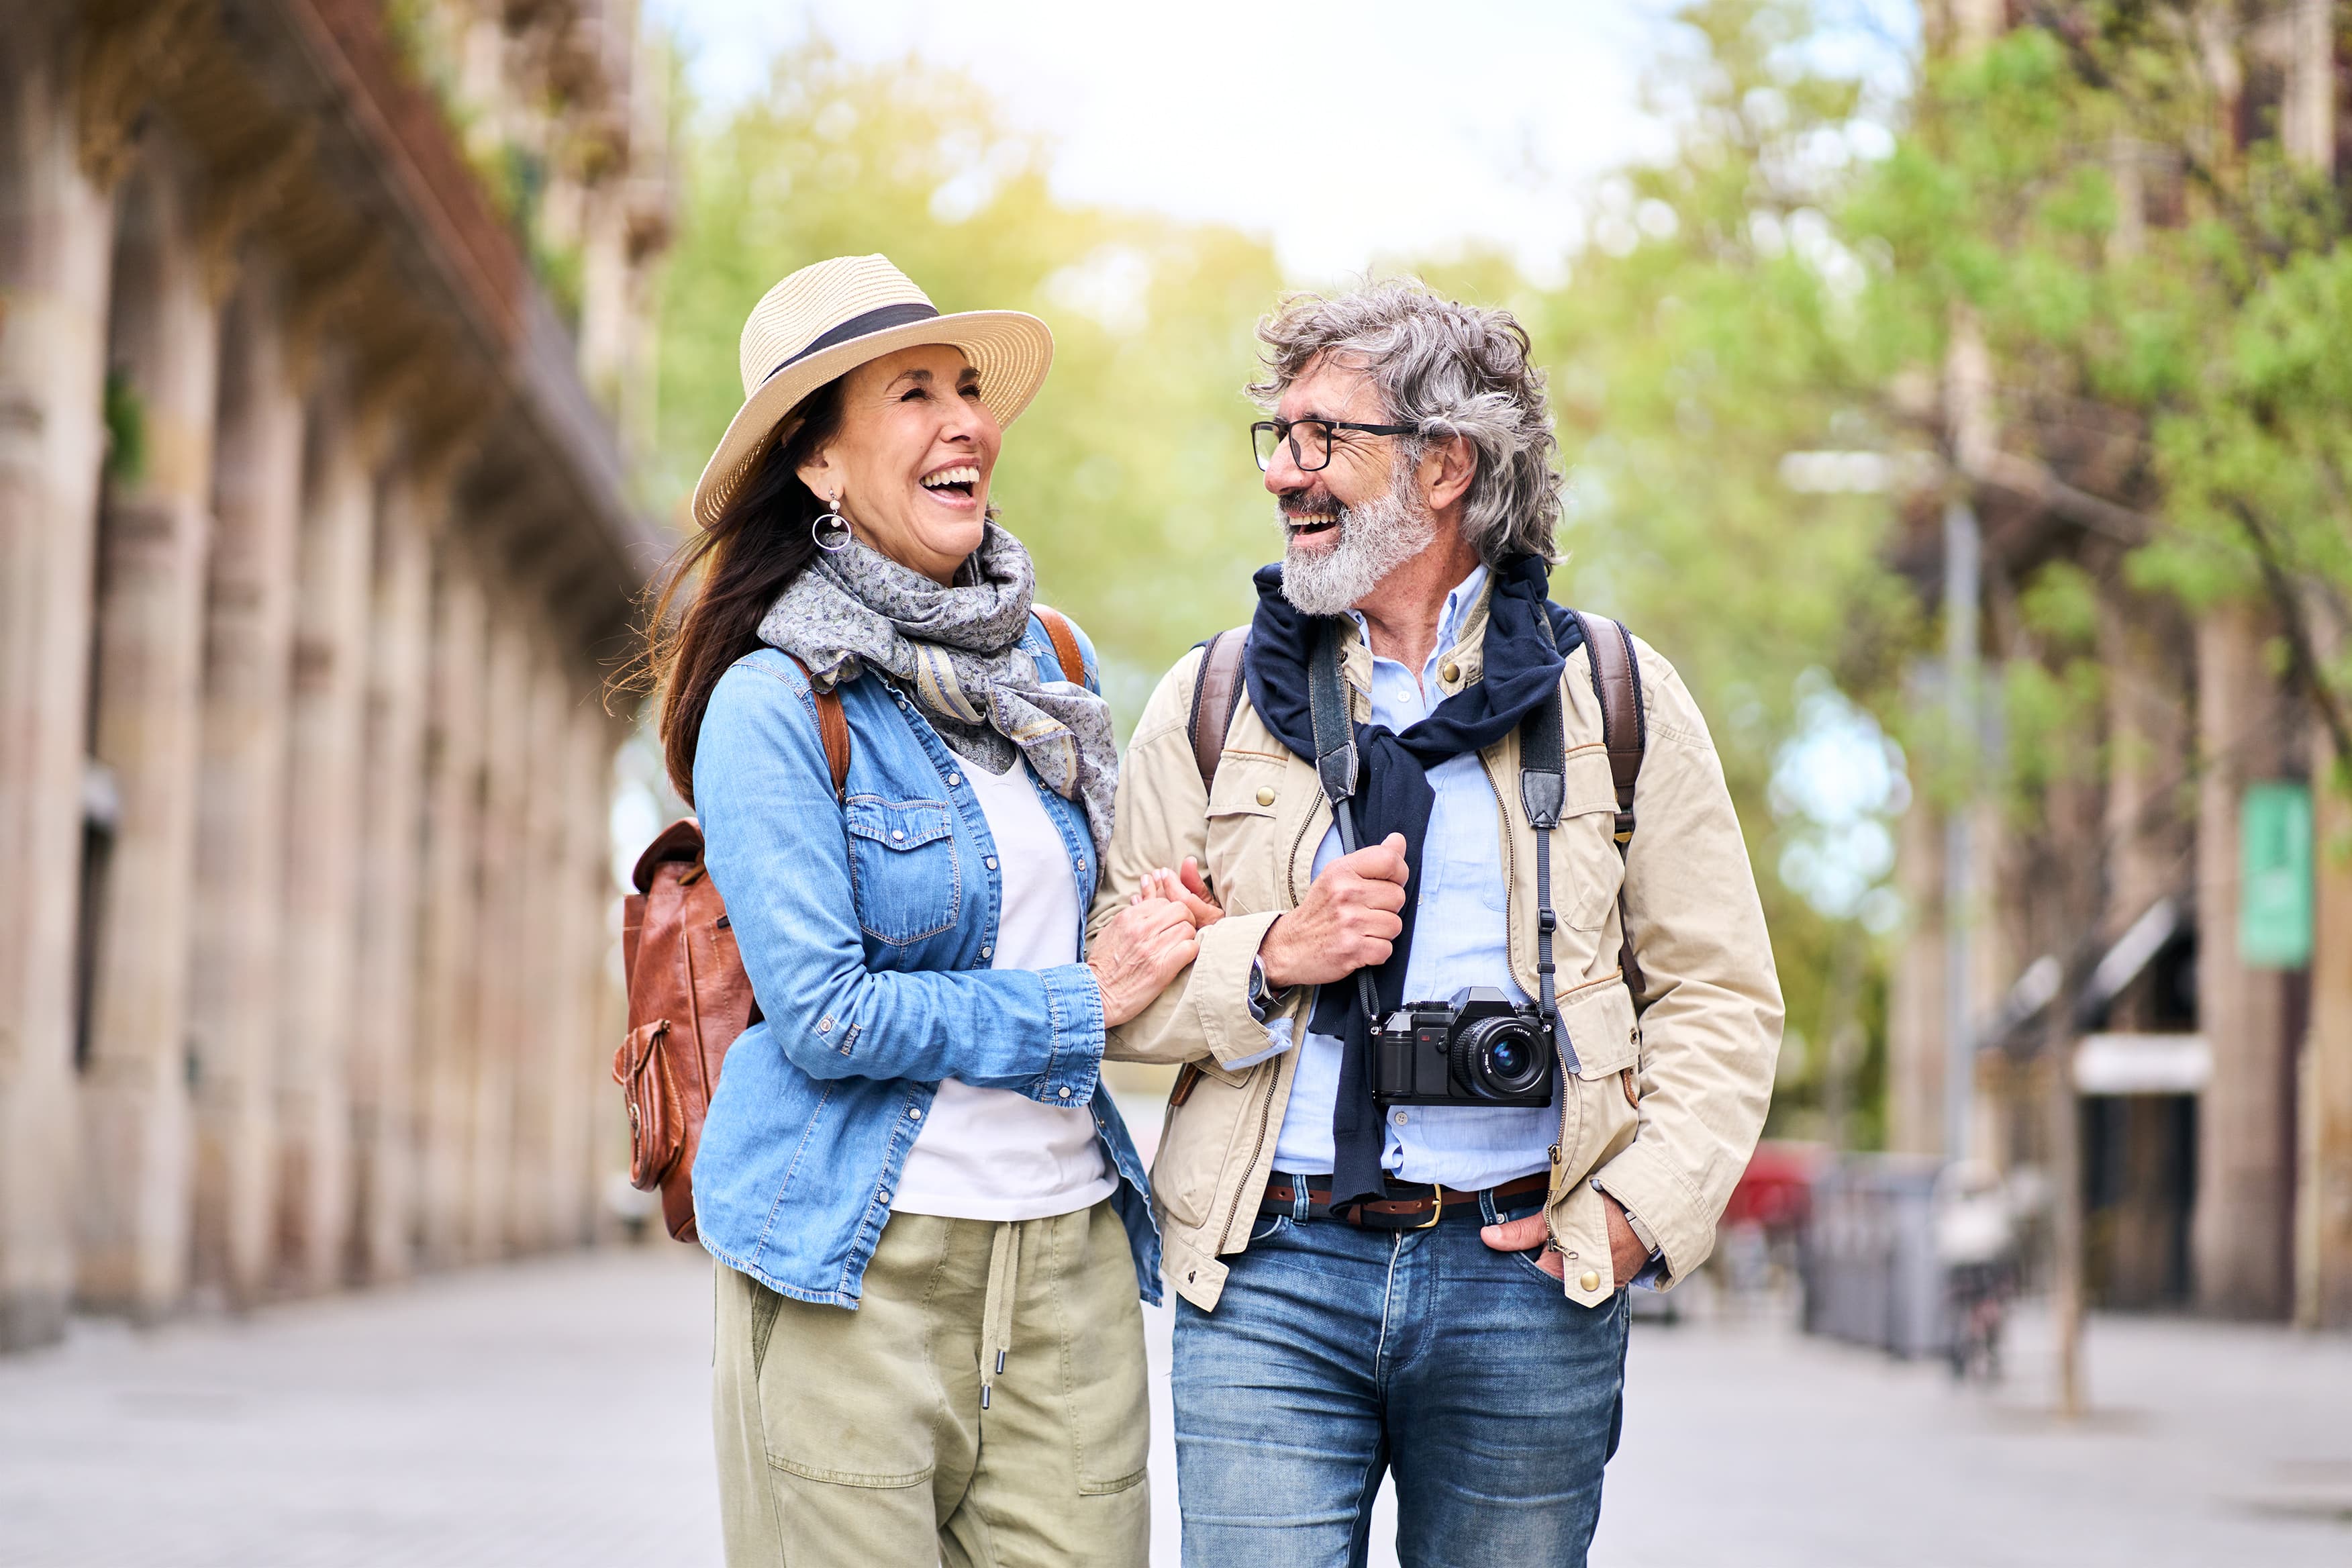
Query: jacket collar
{"x":1461,"y":639}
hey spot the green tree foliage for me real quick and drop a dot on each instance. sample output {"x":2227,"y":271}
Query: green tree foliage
{"x":1129,"y":478}
{"x":2105,"y":191}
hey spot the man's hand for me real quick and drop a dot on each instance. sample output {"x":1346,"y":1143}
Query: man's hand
{"x":1347,"y":922}
{"x":1627,"y":1256}
{"x":1183,"y":886}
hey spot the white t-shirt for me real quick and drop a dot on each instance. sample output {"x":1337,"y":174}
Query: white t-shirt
{"x":990,"y":1154}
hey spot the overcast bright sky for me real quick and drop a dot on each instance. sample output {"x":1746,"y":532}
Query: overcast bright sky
{"x":1435,"y":123}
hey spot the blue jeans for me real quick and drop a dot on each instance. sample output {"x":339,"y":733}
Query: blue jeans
{"x":1337,"y":1353}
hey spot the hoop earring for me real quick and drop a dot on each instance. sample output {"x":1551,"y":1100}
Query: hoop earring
{"x":831,"y":531}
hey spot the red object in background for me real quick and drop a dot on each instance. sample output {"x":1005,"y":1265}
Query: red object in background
{"x":1776,"y":1190}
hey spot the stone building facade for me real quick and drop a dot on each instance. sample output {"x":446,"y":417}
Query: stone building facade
{"x":316,"y":546}
{"x":2110,"y":1000}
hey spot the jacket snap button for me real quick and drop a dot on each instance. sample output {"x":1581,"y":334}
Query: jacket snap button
{"x":914,"y":1113}
{"x":954,"y":779}
{"x":1449,"y":670}
{"x":1264,"y":796}
{"x":1589,"y":1280}
{"x":987,"y":953}
{"x":991,"y":862}
{"x":1065,"y":1093}
{"x":898,"y":835}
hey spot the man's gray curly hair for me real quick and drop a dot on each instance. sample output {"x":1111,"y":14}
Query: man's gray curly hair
{"x":1452,"y":369}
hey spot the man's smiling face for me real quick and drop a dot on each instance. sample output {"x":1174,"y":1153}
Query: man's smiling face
{"x":1345,"y":526}
{"x":1312,"y":504}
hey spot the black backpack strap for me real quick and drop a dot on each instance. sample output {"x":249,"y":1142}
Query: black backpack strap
{"x":1216,"y":695}
{"x":1625,"y":733}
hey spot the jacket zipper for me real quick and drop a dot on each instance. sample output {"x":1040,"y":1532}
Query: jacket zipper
{"x":1265,"y":1115}
{"x":1290,"y":867}
{"x":1511,"y":887}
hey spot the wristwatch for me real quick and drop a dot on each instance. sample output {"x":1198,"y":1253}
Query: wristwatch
{"x":1263,"y":998}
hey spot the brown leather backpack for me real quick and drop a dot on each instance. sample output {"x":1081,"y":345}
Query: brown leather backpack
{"x":688,"y":996}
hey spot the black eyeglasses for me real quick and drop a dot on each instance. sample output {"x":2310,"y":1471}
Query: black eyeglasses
{"x":1310,"y":439}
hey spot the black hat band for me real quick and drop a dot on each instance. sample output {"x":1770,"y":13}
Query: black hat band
{"x":872,"y":321}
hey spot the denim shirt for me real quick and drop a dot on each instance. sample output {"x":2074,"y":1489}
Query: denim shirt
{"x":866,"y":926}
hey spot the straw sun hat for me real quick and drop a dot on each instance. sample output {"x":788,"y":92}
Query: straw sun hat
{"x":826,"y":319}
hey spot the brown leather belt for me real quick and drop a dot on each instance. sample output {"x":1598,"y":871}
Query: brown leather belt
{"x":1408,"y":1206}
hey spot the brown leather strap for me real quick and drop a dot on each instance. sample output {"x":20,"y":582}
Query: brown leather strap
{"x":1215,"y":694}
{"x":1624,"y":731}
{"x":1066,"y":643}
{"x":833,"y":729}
{"x":1624,"y":726}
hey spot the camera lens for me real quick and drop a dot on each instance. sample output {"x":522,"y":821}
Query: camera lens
{"x":1500,"y":1058}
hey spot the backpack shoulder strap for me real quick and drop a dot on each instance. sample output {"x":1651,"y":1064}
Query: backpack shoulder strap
{"x":1624,"y":727}
{"x":1624,"y":731}
{"x":1216,"y":694}
{"x":831,"y":728}
{"x":1065,"y":639}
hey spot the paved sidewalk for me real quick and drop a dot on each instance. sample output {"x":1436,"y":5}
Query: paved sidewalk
{"x":2208,"y":1444}
{"x":550,"y":1411}
{"x":554,"y":1413}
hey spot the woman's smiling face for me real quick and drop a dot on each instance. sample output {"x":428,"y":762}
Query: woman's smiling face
{"x":909,"y":468}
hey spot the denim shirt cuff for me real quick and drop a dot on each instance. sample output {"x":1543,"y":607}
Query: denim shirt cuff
{"x":1074,"y":1003}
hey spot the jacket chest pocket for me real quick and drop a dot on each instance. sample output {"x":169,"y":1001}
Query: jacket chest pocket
{"x":1588,"y":869}
{"x":1244,"y":837}
{"x":903,"y":871}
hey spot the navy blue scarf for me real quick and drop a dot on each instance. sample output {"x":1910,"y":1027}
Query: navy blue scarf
{"x":1528,"y":640}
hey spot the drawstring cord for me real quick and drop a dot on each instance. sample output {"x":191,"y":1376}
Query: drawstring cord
{"x":996,"y":1312}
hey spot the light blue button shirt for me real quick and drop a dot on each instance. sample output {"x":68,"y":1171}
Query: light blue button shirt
{"x":1460,"y":938}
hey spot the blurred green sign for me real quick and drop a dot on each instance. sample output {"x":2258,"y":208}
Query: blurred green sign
{"x":2274,"y":868}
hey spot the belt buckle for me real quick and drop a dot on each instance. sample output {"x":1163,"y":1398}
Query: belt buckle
{"x":1438,"y":1191}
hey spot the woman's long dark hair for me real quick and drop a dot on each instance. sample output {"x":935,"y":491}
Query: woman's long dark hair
{"x":760,"y":543}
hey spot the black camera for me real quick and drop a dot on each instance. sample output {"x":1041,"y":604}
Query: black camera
{"x":1478,"y":1048}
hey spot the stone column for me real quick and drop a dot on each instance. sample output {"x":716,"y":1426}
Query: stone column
{"x":234,"y":981}
{"x":586,"y":1045}
{"x":56,"y":247}
{"x":544,"y":912}
{"x":2324,"y":1201}
{"x":448,"y":961}
{"x":154,"y":527}
{"x":384,"y":1011}
{"x":503,"y":1000}
{"x":2148,"y":754}
{"x":2240,"y":1232}
{"x":322,"y":832}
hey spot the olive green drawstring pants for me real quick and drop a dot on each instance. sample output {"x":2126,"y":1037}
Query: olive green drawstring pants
{"x":860,"y":1439}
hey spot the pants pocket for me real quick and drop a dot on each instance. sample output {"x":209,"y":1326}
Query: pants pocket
{"x":1103,"y":1371}
{"x":847,"y":1398}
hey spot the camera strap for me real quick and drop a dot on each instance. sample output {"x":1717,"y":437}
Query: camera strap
{"x":1335,"y":765}
{"x":1543,"y":791}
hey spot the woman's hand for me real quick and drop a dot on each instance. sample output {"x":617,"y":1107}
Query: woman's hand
{"x":1135,"y":956}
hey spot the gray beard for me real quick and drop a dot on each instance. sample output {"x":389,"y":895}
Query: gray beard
{"x":1375,"y":539}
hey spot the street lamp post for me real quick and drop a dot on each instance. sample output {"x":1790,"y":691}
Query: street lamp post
{"x":1963,"y":568}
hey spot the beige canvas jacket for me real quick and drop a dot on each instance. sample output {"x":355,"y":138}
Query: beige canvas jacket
{"x":1697,"y":1053}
